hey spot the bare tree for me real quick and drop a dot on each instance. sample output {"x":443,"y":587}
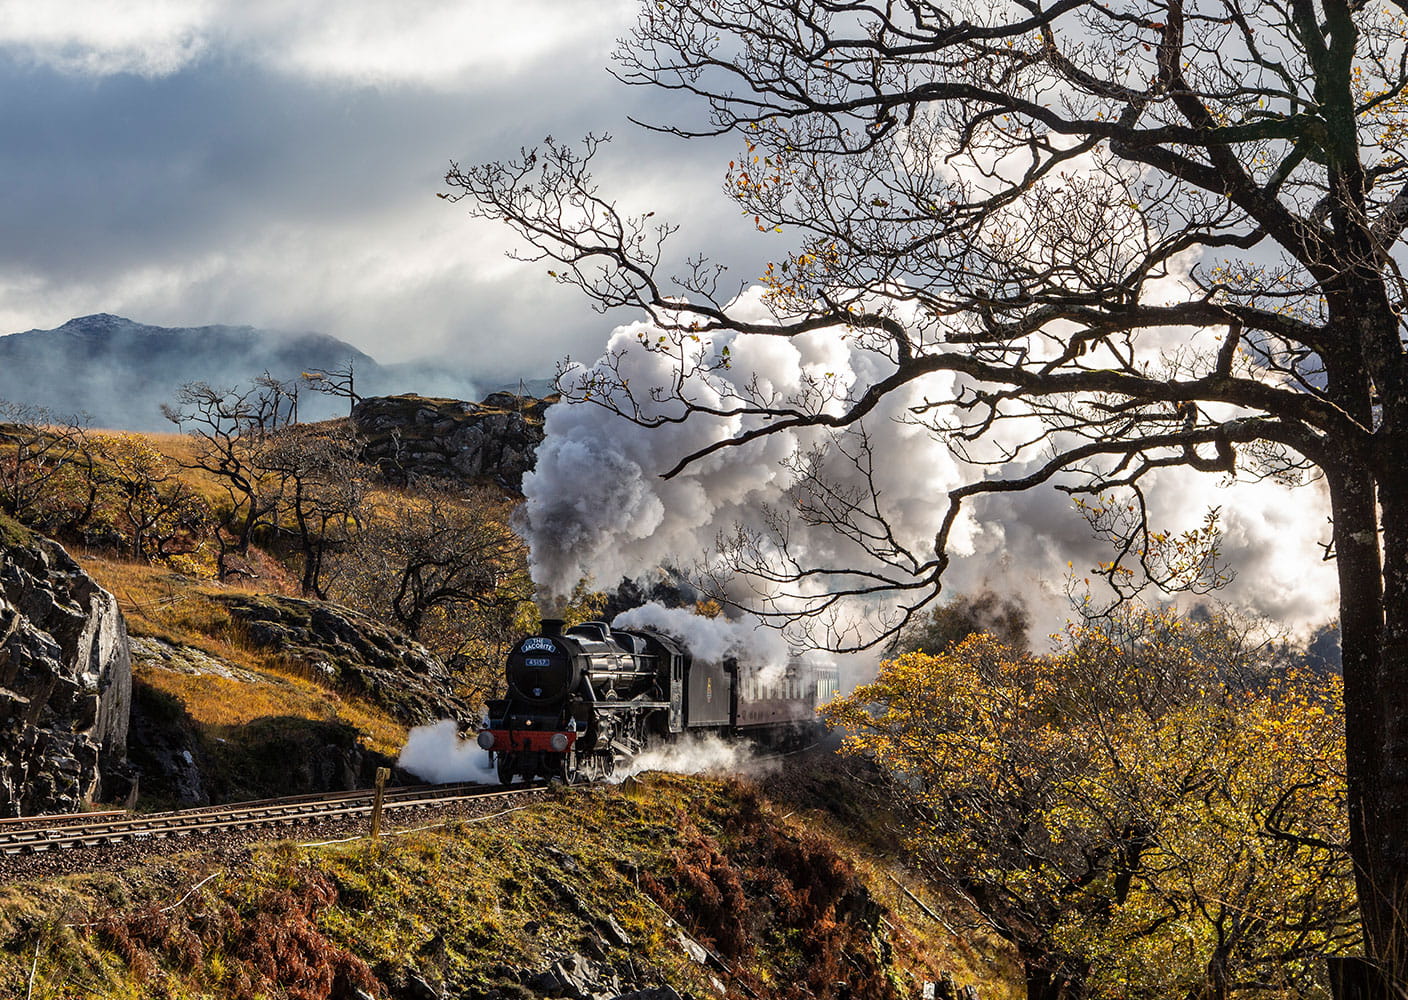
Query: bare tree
{"x":437,"y":548}
{"x":324,"y":491}
{"x":35,"y":447}
{"x":1013,"y":194}
{"x":232,"y":427}
{"x":340,"y":381}
{"x":279,"y":400}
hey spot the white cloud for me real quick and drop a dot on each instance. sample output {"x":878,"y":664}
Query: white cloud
{"x":99,"y":38}
{"x":430,"y":43}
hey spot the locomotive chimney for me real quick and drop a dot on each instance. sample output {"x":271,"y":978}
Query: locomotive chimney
{"x":553,"y":626}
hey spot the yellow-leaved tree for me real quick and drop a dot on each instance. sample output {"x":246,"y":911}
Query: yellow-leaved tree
{"x":1142,"y":813}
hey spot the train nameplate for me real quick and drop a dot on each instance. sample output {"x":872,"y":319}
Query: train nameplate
{"x":538,"y":644}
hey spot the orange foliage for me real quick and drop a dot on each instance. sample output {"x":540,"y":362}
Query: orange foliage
{"x":1143,"y":814}
{"x":269,"y":945}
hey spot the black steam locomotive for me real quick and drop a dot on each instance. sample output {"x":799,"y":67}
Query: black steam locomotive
{"x":583,"y":700}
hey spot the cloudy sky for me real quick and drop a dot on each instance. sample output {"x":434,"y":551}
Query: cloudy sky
{"x":275,"y":163}
{"x":183,"y":162}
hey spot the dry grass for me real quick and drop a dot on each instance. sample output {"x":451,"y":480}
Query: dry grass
{"x":165,"y":605}
{"x":221,"y":702}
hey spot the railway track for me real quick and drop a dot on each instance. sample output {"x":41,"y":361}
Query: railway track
{"x":40,"y":834}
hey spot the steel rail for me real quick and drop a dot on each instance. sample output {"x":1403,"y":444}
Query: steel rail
{"x":103,"y":830}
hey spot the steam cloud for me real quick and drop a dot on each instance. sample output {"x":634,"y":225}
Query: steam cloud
{"x":435,"y":753}
{"x":698,"y":755}
{"x":597,"y":507}
{"x":711,"y":639}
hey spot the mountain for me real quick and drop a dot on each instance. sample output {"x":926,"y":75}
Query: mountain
{"x":119,"y":371}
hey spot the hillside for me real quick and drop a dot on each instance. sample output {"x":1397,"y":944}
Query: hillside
{"x":120,"y":371}
{"x":239,"y":664}
{"x":675,"y":885}
{"x":243,"y":684}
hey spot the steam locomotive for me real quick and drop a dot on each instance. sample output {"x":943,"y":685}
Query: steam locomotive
{"x":583,"y":700}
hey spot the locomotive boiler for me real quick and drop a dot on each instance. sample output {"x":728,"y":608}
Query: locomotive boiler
{"x":581,"y":701}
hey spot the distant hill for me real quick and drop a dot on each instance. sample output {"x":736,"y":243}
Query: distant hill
{"x":120,"y":372}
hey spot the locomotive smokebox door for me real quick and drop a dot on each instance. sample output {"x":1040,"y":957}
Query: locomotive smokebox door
{"x":542,"y":670}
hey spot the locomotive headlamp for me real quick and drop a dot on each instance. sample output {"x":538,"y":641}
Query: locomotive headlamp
{"x":559,"y":742}
{"x":486,"y":739}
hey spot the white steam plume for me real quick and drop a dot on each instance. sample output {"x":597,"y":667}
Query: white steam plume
{"x":692,"y":754}
{"x":435,"y":753}
{"x":713,"y":639}
{"x":597,"y":507}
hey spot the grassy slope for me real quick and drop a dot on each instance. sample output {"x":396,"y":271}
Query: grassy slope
{"x":166,"y":605}
{"x":160,"y":603}
{"x":793,"y":910}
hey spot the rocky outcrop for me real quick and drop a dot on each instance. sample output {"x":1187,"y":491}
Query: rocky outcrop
{"x":167,"y":750}
{"x":413,"y":436}
{"x":350,"y":652}
{"x":185,"y":763}
{"x":65,"y":681}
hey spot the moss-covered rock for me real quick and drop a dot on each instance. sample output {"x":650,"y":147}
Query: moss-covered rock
{"x":413,"y":436}
{"x":13,"y":534}
{"x":350,"y":652}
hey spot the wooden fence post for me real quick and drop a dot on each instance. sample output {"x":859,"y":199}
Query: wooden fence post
{"x":382,"y":773}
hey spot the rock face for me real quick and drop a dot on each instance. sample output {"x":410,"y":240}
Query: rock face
{"x":414,"y":436}
{"x":350,"y":652}
{"x":65,"y":681}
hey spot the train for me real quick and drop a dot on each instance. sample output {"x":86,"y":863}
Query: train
{"x":584,"y":700}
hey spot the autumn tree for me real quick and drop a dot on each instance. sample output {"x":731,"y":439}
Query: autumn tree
{"x":1163,"y":233}
{"x":1132,"y":825}
{"x":140,"y":496}
{"x":441,"y":563}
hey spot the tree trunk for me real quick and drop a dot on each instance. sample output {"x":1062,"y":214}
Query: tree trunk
{"x":1383,"y":890}
{"x":1369,"y":503}
{"x":1374,"y":640}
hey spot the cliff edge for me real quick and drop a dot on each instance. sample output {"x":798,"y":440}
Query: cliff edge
{"x":65,"y":681}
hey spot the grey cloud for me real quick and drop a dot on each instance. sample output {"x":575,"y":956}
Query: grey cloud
{"x":226,"y":193}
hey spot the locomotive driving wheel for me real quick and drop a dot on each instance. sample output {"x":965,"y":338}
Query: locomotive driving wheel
{"x":629,"y":746}
{"x":505,"y":769}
